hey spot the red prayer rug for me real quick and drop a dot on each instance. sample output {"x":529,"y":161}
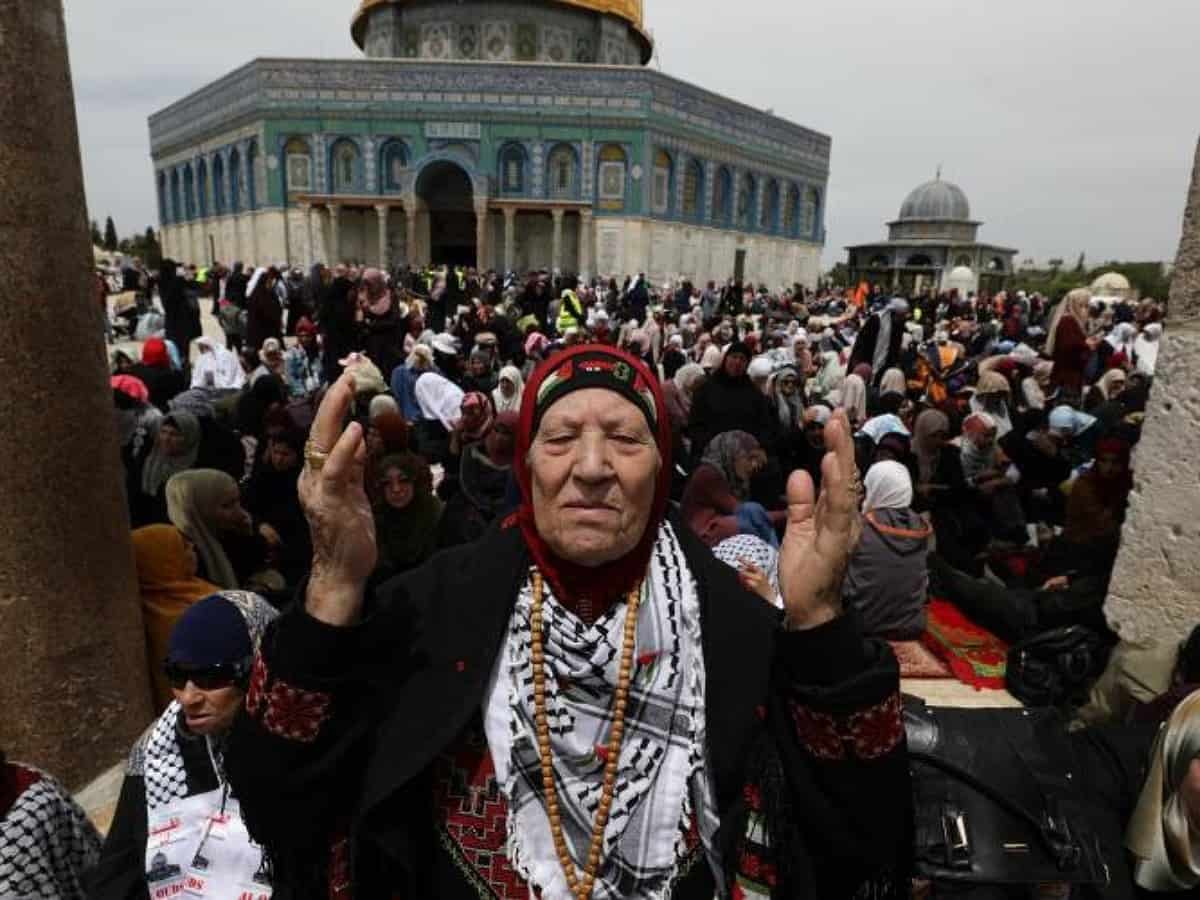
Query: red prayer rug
{"x":975,"y":656}
{"x":917,"y":661}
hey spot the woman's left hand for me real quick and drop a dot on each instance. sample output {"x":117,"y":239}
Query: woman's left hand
{"x":822,"y":532}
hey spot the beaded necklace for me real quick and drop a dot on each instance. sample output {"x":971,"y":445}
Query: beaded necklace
{"x":581,"y":889}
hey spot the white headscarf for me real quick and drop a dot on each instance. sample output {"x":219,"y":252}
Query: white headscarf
{"x":1121,"y":338}
{"x":1166,"y":846}
{"x":439,"y":398}
{"x":854,"y":398}
{"x":254,"y":279}
{"x":889,"y":486}
{"x":513,"y":403}
{"x":226,"y":370}
{"x":1145,"y":348}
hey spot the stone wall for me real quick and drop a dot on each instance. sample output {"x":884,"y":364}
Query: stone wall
{"x":1155,"y":591}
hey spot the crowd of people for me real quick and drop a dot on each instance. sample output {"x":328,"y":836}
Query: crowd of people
{"x":987,"y":443}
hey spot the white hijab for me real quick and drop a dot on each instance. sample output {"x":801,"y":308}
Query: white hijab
{"x":889,"y":486}
{"x":513,"y":403}
{"x":1146,"y":347}
{"x":854,"y":398}
{"x":226,"y":370}
{"x":439,"y":398}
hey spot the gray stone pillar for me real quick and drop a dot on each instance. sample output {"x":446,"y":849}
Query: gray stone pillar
{"x":556,"y":243}
{"x":314,"y":232}
{"x":410,"y":234}
{"x":335,"y":233}
{"x":75,"y":690}
{"x":585,"y":242}
{"x":1155,"y":589}
{"x":510,"y":238}
{"x":381,"y":211}
{"x":481,"y":241}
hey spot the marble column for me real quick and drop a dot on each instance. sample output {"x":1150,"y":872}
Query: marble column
{"x":410,"y":233}
{"x":309,"y":256}
{"x":1154,"y":595}
{"x":510,"y":238}
{"x":585,"y":242}
{"x":381,"y":211}
{"x":314,"y":233}
{"x":556,"y":244}
{"x":75,"y":691}
{"x":335,"y":233}
{"x":481,"y":241}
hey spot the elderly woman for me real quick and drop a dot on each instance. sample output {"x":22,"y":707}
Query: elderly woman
{"x":177,"y":818}
{"x":491,"y":674}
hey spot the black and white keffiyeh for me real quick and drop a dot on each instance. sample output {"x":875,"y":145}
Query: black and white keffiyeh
{"x":662,"y":779}
{"x":46,"y":843}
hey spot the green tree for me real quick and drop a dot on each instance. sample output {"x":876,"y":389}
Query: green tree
{"x":110,"y":234}
{"x":97,"y":237}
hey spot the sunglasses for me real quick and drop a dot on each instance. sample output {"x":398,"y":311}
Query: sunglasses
{"x":206,"y":678}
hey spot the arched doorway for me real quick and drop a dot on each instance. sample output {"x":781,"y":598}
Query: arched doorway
{"x":446,"y":189}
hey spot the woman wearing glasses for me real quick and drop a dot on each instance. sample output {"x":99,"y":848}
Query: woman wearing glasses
{"x":177,"y":826}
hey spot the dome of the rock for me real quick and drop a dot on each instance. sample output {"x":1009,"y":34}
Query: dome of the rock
{"x":936,"y":200}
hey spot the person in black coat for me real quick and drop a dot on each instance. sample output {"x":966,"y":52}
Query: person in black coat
{"x":380,"y":754}
{"x":888,"y":324}
{"x":729,"y":401}
{"x":337,"y":324}
{"x":181,"y":311}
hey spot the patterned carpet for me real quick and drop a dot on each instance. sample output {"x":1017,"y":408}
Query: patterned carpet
{"x":917,"y":661}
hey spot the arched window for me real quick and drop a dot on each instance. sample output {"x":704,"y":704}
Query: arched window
{"x":189,"y":193}
{"x":219,"y":185}
{"x":612,"y":177}
{"x":745,"y":201}
{"x":393,"y":162}
{"x":345,"y":161}
{"x":810,"y":214}
{"x":791,"y":210}
{"x":251,"y":176}
{"x":561,"y":167}
{"x":661,"y":194}
{"x":918,"y":261}
{"x":513,"y":163}
{"x":162,"y":198}
{"x":723,"y":197}
{"x":298,"y":164}
{"x":202,"y":188}
{"x":176,"y":209}
{"x":235,"y":181}
{"x":768,"y":220}
{"x":880,"y":262}
{"x":693,"y":190}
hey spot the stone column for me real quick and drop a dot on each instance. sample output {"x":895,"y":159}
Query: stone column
{"x":335,"y":233}
{"x":305,"y":210}
{"x":410,"y":234}
{"x":314,"y":232}
{"x":585,"y":242}
{"x":481,"y":241}
{"x":556,"y":244}
{"x":1155,"y":590}
{"x":510,"y":238}
{"x":75,"y":692}
{"x":381,"y":210}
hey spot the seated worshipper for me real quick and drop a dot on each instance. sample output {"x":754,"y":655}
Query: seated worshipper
{"x":175,"y":447}
{"x":992,"y":478}
{"x":506,"y":396}
{"x":485,"y":485}
{"x":177,"y":820}
{"x":406,"y":515}
{"x":893,"y":382}
{"x":166,"y":570}
{"x":302,"y":363}
{"x":786,"y":399}
{"x":678,"y":393}
{"x":137,"y":418}
{"x":474,"y":422}
{"x":270,"y":362}
{"x":440,"y":400}
{"x":993,"y":395}
{"x":759,"y":372}
{"x":216,"y":368}
{"x":716,"y":501}
{"x":942,"y":490}
{"x":1037,"y":452}
{"x":728,"y":401}
{"x":755,"y":561}
{"x":162,"y":380}
{"x":1109,"y":386}
{"x":1097,"y":500}
{"x":479,"y":377}
{"x":206,"y":506}
{"x":1146,"y":347}
{"x":272,"y":499}
{"x":887,"y":580}
{"x":386,"y":433}
{"x":812,"y":448}
{"x":854,"y":399}
{"x":1077,"y":433}
{"x":460,"y":666}
{"x":1115,"y":351}
{"x":47,"y":842}
{"x":404,"y":380}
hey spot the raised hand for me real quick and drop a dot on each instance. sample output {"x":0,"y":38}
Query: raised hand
{"x":338,"y":511}
{"x":821,"y":532}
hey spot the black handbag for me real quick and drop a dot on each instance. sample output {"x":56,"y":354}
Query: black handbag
{"x":1057,"y":667}
{"x":996,"y":799}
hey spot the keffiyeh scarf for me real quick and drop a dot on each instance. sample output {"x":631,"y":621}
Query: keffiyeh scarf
{"x":662,"y":782}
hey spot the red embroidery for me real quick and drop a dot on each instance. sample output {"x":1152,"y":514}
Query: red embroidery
{"x":472,"y":814}
{"x":295,"y":714}
{"x":868,"y":734}
{"x":258,"y":685}
{"x":753,"y":797}
{"x":339,"y":870}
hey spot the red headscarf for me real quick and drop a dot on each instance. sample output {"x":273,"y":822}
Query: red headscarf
{"x":134,"y":388}
{"x":590,"y":590}
{"x":154,"y":353}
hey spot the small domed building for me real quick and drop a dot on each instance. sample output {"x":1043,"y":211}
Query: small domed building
{"x":509,"y":135}
{"x":1113,"y":285}
{"x":933,"y":244}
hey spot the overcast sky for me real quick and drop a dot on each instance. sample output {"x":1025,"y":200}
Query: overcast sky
{"x":1070,"y":124}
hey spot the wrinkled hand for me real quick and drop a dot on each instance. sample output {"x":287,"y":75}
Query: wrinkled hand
{"x":338,"y":512}
{"x":821,"y":534}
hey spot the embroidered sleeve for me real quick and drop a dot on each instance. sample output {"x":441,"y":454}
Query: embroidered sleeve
{"x":285,"y":710}
{"x":865,"y":734}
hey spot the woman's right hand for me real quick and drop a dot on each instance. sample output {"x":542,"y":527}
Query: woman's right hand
{"x":338,"y":511}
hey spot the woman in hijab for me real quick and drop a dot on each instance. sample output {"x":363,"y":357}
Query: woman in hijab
{"x":162,"y":380}
{"x":1068,"y":344}
{"x":265,"y":314}
{"x":272,"y":499}
{"x":137,"y":419}
{"x":716,"y":501}
{"x":993,"y":395}
{"x":887,"y":579}
{"x":206,"y":506}
{"x":484,"y":481}
{"x":1117,"y":349}
{"x":216,"y":368}
{"x":1077,"y":431}
{"x":166,"y":570}
{"x":993,"y":478}
{"x":854,"y":399}
{"x":480,"y":377}
{"x":177,"y":819}
{"x":175,"y":448}
{"x":506,"y":396}
{"x":1145,"y":348}
{"x":406,"y":514}
{"x":1097,"y":501}
{"x":893,"y":382}
{"x":678,"y":394}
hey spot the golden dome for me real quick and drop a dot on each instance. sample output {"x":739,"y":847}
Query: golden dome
{"x":629,"y":10}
